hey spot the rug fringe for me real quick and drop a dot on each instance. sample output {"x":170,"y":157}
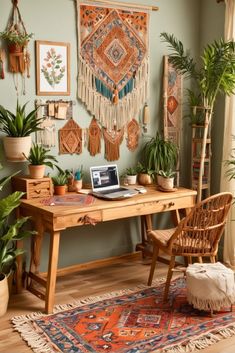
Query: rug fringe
{"x":37,"y":340}
{"x":200,"y":343}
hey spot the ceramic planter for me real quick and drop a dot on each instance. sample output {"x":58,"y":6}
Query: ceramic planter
{"x":131,"y":179}
{"x":77,"y":184}
{"x":14,"y":148}
{"x":165,"y":183}
{"x":36,"y":171}
{"x":144,"y":179}
{"x":4,"y":294}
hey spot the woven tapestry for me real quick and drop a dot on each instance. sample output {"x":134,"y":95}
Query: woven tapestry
{"x":113,"y":62}
{"x":172,"y":86}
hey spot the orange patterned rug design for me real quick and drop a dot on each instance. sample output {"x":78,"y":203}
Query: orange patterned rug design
{"x":131,"y":321}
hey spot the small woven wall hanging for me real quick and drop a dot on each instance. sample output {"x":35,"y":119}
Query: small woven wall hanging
{"x":47,"y":135}
{"x":94,"y":142}
{"x":112,"y":140}
{"x":133,"y":133}
{"x":70,"y":138}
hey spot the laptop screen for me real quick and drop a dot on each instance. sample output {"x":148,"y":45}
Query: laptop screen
{"x":104,"y":177}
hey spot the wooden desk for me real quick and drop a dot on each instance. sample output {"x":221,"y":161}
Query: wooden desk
{"x":54,"y":219}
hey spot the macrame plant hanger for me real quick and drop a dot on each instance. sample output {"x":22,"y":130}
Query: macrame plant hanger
{"x":19,"y":58}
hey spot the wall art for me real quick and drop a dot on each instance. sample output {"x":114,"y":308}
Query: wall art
{"x":113,"y":62}
{"x":53,"y":68}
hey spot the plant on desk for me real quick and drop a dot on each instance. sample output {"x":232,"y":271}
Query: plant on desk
{"x":145,"y":174}
{"x":130,"y":175}
{"x":10,"y":233}
{"x":60,"y":183}
{"x":39,"y":157}
{"x":165,"y":179}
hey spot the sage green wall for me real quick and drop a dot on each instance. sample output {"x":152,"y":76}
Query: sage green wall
{"x":55,"y":20}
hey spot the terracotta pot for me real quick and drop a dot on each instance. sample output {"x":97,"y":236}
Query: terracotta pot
{"x":14,"y":148}
{"x":15,"y":48}
{"x":36,"y":171}
{"x":144,"y":179}
{"x":59,"y":189}
{"x":4,"y":294}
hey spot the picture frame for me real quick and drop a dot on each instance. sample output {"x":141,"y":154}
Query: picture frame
{"x":52,"y":68}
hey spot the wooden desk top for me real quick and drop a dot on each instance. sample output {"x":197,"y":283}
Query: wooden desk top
{"x":60,"y":217}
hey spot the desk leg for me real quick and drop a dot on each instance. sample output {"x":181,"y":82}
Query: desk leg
{"x":52,"y":271}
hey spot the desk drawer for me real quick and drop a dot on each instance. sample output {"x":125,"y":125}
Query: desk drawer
{"x":80,"y":219}
{"x":148,"y":208}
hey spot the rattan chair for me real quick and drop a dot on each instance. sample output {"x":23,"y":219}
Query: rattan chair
{"x":197,"y":235}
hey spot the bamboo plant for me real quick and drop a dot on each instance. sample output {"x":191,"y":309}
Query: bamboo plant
{"x":215,"y":74}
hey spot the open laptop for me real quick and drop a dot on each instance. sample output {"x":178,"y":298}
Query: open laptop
{"x":105,"y":183}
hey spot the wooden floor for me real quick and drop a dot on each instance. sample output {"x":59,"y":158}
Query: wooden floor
{"x":87,"y":283}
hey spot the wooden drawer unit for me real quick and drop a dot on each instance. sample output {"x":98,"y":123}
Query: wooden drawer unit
{"x":33,"y":188}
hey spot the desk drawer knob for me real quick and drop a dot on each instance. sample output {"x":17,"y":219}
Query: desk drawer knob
{"x":171,"y":204}
{"x":88,"y":220}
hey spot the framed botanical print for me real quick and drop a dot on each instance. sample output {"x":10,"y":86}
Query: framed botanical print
{"x":53,"y":68}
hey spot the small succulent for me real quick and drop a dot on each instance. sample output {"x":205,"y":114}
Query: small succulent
{"x":60,"y":179}
{"x":166,"y":173}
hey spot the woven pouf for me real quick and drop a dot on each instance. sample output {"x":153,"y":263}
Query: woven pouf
{"x":210,"y":286}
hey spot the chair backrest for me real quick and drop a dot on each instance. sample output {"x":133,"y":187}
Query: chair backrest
{"x":199,"y":233}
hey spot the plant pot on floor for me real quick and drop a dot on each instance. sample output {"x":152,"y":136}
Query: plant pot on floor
{"x":36,"y":171}
{"x":14,"y":148}
{"x":4,"y":294}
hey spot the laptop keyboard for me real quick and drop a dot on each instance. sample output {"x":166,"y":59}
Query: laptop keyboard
{"x":112,"y":191}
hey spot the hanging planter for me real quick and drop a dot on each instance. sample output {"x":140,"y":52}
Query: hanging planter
{"x":17,"y":40}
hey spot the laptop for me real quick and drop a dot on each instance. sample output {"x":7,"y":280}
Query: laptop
{"x":105,"y":183}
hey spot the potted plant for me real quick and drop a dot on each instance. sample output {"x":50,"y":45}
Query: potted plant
{"x":60,"y":183}
{"x":144,"y":174}
{"x":131,"y":175}
{"x":18,"y":128}
{"x":214,"y":75}
{"x":10,"y":232}
{"x":39,"y":158}
{"x":160,"y":154}
{"x":78,"y":175}
{"x":15,"y":38}
{"x":165,"y":179}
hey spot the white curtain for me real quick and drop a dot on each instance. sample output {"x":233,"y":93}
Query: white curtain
{"x":228,"y":144}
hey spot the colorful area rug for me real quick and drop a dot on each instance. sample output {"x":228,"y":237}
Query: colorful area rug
{"x":130,"y":321}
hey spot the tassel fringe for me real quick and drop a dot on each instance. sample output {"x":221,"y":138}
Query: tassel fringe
{"x":119,"y":112}
{"x":39,"y":343}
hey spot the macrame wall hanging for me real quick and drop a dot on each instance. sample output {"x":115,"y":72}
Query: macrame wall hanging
{"x":133,"y":133}
{"x":112,"y":140}
{"x":113,"y":62}
{"x":172,"y":95}
{"x":94,"y":138}
{"x":70,"y":138}
{"x":17,"y":41}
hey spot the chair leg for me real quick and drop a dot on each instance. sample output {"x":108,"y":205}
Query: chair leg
{"x":212,"y":258}
{"x":153,"y":264}
{"x":200,"y":259}
{"x":168,"y":279}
